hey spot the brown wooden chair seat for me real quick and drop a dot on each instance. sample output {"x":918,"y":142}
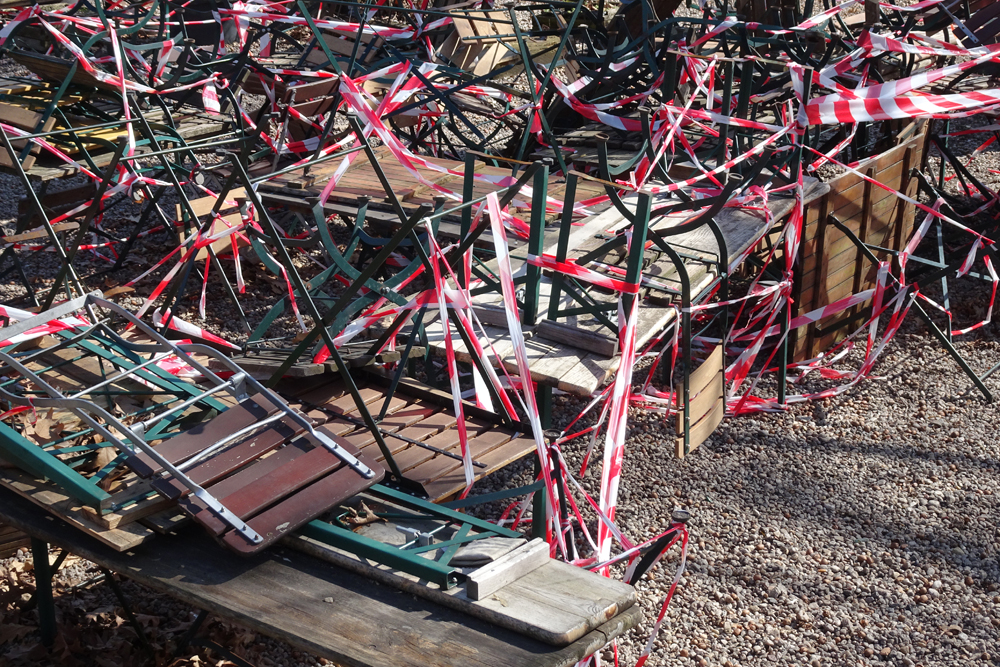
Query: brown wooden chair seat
{"x":275,"y":478}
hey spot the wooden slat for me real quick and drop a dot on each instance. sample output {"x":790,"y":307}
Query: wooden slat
{"x":495,"y":459}
{"x":429,"y":426}
{"x":699,"y":432}
{"x":345,"y":404}
{"x":408,"y":416}
{"x":51,"y":498}
{"x":311,"y":501}
{"x":832,"y":267}
{"x":231,"y":459}
{"x":253,"y":474}
{"x":195,"y":439}
{"x":282,"y":481}
{"x":314,"y":391}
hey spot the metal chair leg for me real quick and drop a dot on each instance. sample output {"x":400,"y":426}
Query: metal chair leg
{"x":43,"y":591}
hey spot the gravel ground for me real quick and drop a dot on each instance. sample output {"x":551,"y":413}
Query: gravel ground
{"x":853,"y":531}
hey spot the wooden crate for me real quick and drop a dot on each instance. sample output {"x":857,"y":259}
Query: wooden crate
{"x":830,"y":266}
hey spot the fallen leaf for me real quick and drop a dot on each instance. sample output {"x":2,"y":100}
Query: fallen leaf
{"x":124,"y":405}
{"x":148,"y":621}
{"x":9,"y":631}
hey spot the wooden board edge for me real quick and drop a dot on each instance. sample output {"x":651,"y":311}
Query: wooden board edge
{"x":119,"y":539}
{"x":453,"y":599}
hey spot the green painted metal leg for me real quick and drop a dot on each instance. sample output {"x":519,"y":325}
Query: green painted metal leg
{"x":538,"y":507}
{"x":782,"y":357}
{"x":545,"y":405}
{"x":943,"y":339}
{"x":43,"y":591}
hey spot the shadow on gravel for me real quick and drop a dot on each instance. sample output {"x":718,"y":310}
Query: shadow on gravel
{"x":939,"y":528}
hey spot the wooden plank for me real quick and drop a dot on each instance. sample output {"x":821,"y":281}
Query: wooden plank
{"x":903,"y":222}
{"x":305,"y":505}
{"x":431,"y":425}
{"x":202,"y":435}
{"x":139,"y":509}
{"x":590,"y":372}
{"x":448,"y":440}
{"x":706,"y":399}
{"x":282,"y":481}
{"x":547,"y":362}
{"x":49,"y":497}
{"x":883,"y":209}
{"x":554,"y":603}
{"x":591,"y":341}
{"x":26,"y":120}
{"x":395,"y":446}
{"x":251,"y":475}
{"x":454,"y":481}
{"x":231,"y":459}
{"x":408,"y":416}
{"x":340,"y":427}
{"x":345,"y":404}
{"x":167,"y":521}
{"x":41,"y":232}
{"x":325,"y":391}
{"x":703,"y":429}
{"x":507,"y":569}
{"x":808,"y":302}
{"x":478,"y":445}
{"x":706,"y":372}
{"x":204,"y":205}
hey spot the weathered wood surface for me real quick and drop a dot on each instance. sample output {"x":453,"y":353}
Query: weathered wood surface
{"x":51,"y":498}
{"x":361,"y":179}
{"x":418,"y":414}
{"x":831,"y":265}
{"x":555,"y":603}
{"x":191,"y":124}
{"x":507,"y":569}
{"x":707,"y":403}
{"x":283,"y":593}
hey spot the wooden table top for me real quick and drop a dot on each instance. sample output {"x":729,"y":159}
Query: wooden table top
{"x":281,"y":593}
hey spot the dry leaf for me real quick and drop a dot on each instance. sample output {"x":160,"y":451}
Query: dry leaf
{"x":47,"y":429}
{"x":115,"y":291}
{"x":9,"y":631}
{"x":124,"y":405}
{"x":105,"y":455}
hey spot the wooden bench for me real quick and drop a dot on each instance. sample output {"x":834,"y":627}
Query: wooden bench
{"x":287,"y":595}
{"x":416,"y":414}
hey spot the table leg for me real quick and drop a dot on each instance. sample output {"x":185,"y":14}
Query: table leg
{"x":43,"y":591}
{"x":538,"y":507}
{"x":545,"y":405}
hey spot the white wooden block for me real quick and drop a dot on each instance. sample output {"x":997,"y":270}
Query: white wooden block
{"x":506,"y":569}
